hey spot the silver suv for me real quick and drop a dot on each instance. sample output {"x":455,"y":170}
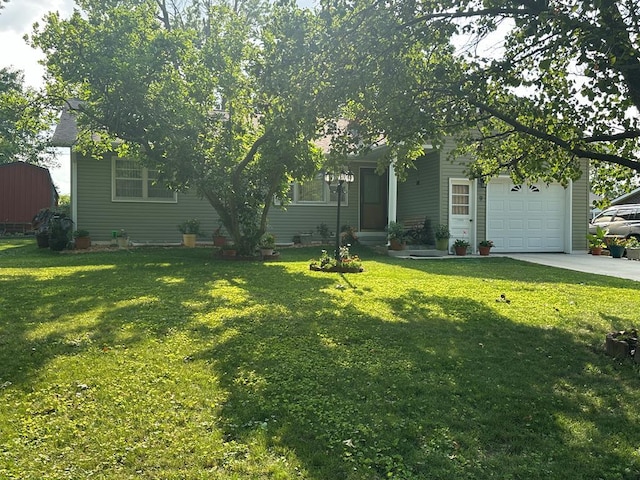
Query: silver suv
{"x":623,"y":220}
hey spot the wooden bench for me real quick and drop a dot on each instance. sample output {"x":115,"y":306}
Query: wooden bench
{"x":15,"y":227}
{"x":411,"y":222}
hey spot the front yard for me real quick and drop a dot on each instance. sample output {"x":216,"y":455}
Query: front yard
{"x":166,"y":363}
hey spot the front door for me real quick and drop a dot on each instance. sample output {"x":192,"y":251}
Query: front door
{"x":373,"y":200}
{"x":461,"y":211}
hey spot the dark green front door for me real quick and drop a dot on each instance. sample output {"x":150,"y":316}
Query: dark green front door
{"x":373,"y":200}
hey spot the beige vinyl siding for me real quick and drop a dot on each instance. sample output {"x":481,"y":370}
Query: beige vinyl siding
{"x":286,"y":222}
{"x":148,"y":222}
{"x":418,"y":194}
{"x":449,"y":168}
{"x":580,"y":209}
{"x":481,"y":213}
{"x":143,"y":221}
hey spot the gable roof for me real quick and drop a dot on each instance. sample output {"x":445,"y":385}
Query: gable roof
{"x":631,"y":197}
{"x":66,"y":131}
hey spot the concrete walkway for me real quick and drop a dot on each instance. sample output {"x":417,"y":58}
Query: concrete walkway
{"x":583,"y":262}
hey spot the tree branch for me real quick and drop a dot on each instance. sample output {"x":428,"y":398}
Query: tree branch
{"x":612,"y":137}
{"x":498,"y":11}
{"x":565,"y":145}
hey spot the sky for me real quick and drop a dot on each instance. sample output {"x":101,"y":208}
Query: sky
{"x":16,"y":20}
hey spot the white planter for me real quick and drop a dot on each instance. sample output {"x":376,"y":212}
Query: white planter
{"x":189,"y":239}
{"x":633,"y":253}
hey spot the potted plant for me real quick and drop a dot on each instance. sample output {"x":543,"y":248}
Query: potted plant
{"x":633,"y":248}
{"x":460,"y":246}
{"x":442,"y":237}
{"x":82,"y":239}
{"x":396,"y":235}
{"x":622,"y":343}
{"x":616,"y":246}
{"x":596,"y":241}
{"x":324,"y":232}
{"x":60,"y":227}
{"x":485,"y":247}
{"x":190,"y":229}
{"x":123,"y":238}
{"x":348,"y":235}
{"x":218,"y":237}
{"x":229,"y":250}
{"x":40,"y":224}
{"x":267,"y":244}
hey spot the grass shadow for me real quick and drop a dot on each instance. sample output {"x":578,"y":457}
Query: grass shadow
{"x":192,"y":367}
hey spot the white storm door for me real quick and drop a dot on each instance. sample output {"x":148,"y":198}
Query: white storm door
{"x":461,"y":211}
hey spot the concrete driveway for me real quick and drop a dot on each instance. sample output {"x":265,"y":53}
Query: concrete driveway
{"x":583,"y":262}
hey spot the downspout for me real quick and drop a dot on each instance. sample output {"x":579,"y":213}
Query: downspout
{"x":392,"y":207}
{"x":568,"y":245}
{"x":73,"y":163}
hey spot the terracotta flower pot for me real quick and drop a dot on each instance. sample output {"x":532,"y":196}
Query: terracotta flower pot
{"x":484,"y":250}
{"x":460,"y":251}
{"x":229,"y":253}
{"x":396,"y":244}
{"x":82,"y":243}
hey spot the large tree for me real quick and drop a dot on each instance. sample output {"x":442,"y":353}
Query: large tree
{"x":221,"y":98}
{"x":529,"y":85}
{"x":24,"y":122}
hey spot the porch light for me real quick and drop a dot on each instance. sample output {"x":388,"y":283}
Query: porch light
{"x":339,"y":179}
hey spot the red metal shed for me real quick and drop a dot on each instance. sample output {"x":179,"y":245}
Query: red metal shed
{"x":24,"y":190}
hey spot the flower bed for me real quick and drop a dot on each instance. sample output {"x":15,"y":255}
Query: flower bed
{"x":336,"y":268}
{"x":346,"y":264}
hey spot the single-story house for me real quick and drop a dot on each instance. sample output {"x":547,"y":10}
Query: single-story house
{"x":115,"y":193}
{"x":631,"y":197}
{"x":24,"y":190}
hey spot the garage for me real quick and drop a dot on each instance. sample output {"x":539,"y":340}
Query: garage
{"x":526,"y":218}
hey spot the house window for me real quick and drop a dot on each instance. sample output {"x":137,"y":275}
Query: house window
{"x":519,"y":188}
{"x":460,"y":199}
{"x":134,"y":183}
{"x":317,"y":192}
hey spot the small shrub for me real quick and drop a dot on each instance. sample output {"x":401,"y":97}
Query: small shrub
{"x":324,"y":232}
{"x":191,"y":226}
{"x":348,"y":235}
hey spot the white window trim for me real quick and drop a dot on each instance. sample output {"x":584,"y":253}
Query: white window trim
{"x":294,"y":200}
{"x":144,"y":198}
{"x":320,"y":203}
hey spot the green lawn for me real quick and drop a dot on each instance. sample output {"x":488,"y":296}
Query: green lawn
{"x":167,"y":363}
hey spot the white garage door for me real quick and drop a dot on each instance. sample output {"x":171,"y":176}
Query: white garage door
{"x":526,"y":218}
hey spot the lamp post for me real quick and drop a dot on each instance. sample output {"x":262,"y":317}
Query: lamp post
{"x":339,"y":179}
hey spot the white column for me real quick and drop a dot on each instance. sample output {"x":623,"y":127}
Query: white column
{"x":392,"y":211}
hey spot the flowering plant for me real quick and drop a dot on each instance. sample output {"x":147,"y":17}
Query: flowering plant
{"x":347,"y":262}
{"x":461,"y":243}
{"x":191,"y":226}
{"x":486,"y":243}
{"x":633,"y":242}
{"x":616,"y":241}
